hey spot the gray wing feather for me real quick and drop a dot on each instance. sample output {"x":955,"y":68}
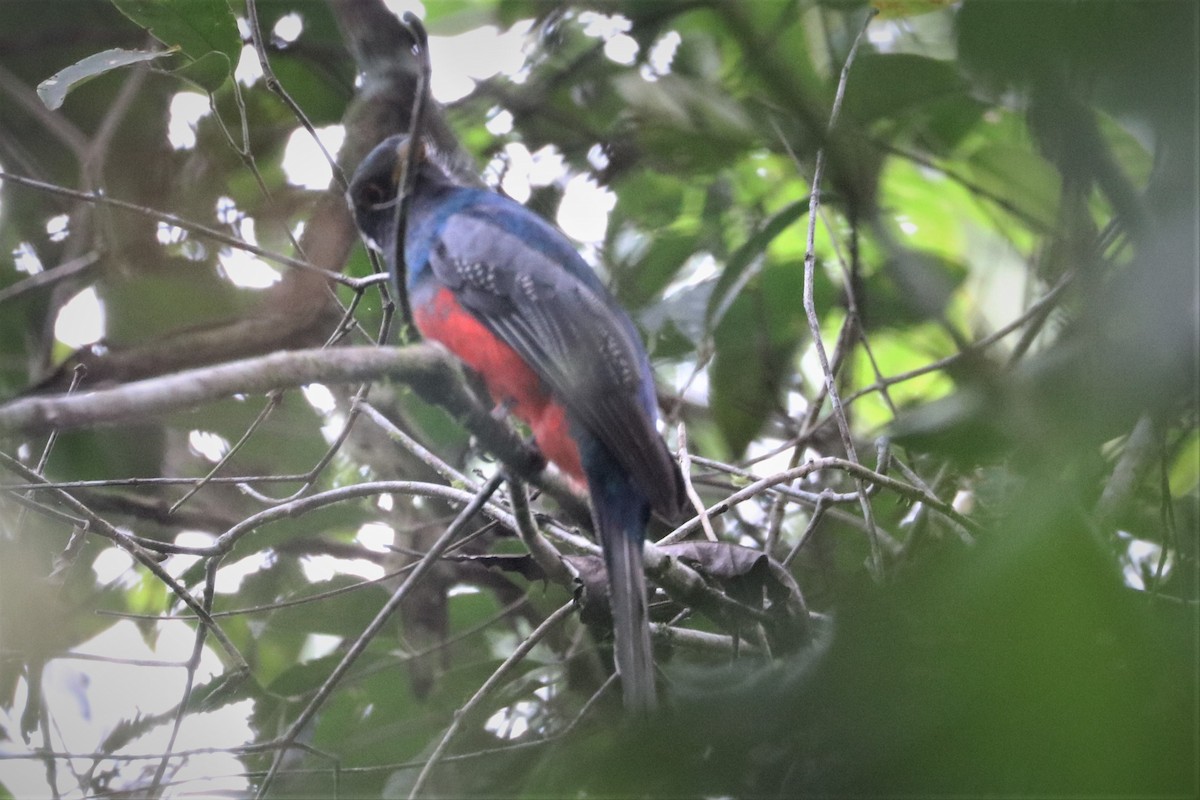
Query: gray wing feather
{"x":568,"y":333}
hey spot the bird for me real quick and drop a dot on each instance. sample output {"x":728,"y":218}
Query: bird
{"x":508,"y":294}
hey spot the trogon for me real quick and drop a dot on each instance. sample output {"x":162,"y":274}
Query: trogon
{"x":507,"y":293}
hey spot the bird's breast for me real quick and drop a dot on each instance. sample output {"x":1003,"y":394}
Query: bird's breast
{"x":511,"y":382}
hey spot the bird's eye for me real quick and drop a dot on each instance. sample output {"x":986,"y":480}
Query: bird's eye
{"x":372,"y":194}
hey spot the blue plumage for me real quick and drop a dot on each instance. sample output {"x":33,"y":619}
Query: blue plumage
{"x":507,"y":292}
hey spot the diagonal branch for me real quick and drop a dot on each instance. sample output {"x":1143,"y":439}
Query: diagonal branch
{"x":360,"y":645}
{"x":814,"y":322}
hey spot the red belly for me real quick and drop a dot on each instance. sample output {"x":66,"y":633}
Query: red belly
{"x":509,"y":379}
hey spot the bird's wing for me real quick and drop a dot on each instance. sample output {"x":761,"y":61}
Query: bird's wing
{"x":523,"y":280}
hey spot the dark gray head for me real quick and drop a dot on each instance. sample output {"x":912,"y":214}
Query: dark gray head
{"x":372,"y":193}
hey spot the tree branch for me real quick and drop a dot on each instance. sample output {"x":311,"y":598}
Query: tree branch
{"x":425,"y":368}
{"x":134,"y":401}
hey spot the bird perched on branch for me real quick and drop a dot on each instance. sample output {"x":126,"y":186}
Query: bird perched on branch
{"x":506,"y":292}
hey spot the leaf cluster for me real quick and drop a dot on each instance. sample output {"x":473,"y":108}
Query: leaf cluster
{"x":939,"y":409}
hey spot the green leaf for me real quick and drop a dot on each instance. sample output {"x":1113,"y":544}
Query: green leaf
{"x":754,"y":344}
{"x":1185,"y":471}
{"x":197,"y":27}
{"x":965,"y":426}
{"x":302,"y":679}
{"x":899,"y":9}
{"x":650,"y":199}
{"x":894,"y":84}
{"x":753,"y":248}
{"x":914,"y":286}
{"x":53,"y":91}
{"x":208,"y":72}
{"x":150,"y":596}
{"x":686,"y":123}
{"x":894,"y":352}
{"x":642,"y":282}
{"x":1019,"y":177}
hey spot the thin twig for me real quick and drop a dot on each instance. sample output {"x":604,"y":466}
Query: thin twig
{"x":817,"y":515}
{"x":415,"y":448}
{"x":51,"y":276}
{"x":193,"y":663}
{"x":181,"y":223}
{"x":360,"y":644}
{"x":103,"y":528}
{"x":1031,"y":314}
{"x":685,"y":467}
{"x":790,"y":492}
{"x":77,"y":376}
{"x":856,"y":469}
{"x":273,"y":399}
{"x":305,"y":505}
{"x":102,"y":483}
{"x":95,"y":159}
{"x":311,"y":598}
{"x":810,"y":309}
{"x":360,"y":396}
{"x":486,"y":689}
{"x":275,"y":87}
{"x":544,"y":553}
{"x":408,"y":173}
{"x":310,"y":480}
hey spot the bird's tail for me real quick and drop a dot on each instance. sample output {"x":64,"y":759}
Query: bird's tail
{"x":621,"y":525}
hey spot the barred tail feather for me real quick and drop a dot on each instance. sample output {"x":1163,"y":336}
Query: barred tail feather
{"x":631,"y":619}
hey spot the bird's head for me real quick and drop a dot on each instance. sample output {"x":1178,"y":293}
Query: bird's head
{"x":372,"y":193}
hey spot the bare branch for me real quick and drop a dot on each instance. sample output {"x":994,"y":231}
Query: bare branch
{"x":810,"y":309}
{"x":376,"y":625}
{"x":135,"y":401}
{"x":98,"y":525}
{"x":549,"y":559}
{"x":486,"y":689}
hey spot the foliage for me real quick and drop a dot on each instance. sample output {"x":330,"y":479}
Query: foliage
{"x":1003,"y":277}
